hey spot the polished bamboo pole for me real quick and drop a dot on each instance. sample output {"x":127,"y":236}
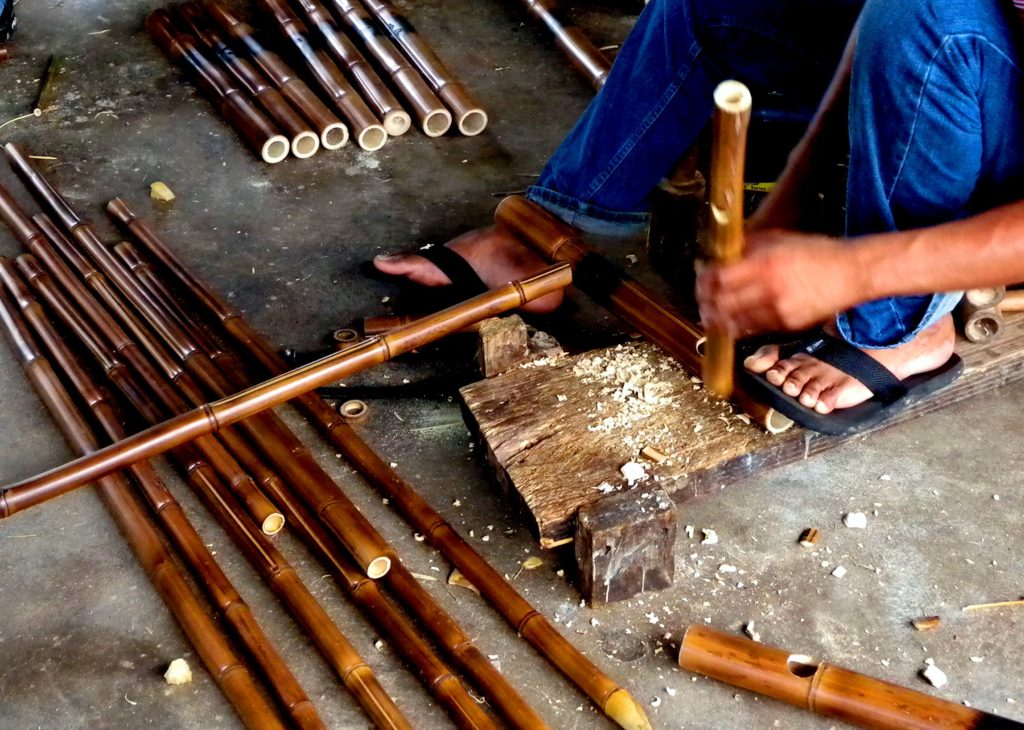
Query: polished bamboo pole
{"x":368,"y":132}
{"x":614,"y":700}
{"x":824,"y":688}
{"x":304,"y":143}
{"x":728,"y":152}
{"x":220,"y":660}
{"x":555,"y":240}
{"x":333,"y":134}
{"x":584,"y":56}
{"x":431,"y":114}
{"x":396,"y":120}
{"x":470,"y":118}
{"x":234,"y":106}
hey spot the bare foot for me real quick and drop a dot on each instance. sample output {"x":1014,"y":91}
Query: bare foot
{"x":824,"y":388}
{"x":496,"y":256}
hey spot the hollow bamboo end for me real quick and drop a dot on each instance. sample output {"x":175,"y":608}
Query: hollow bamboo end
{"x":354,"y":410}
{"x":273,"y":523}
{"x":372,"y":138}
{"x":776,"y":423}
{"x":305,"y":144}
{"x":732,"y":97}
{"x":473,"y":122}
{"x":334,"y":136}
{"x":275,"y":149}
{"x":378,"y":567}
{"x":437,"y":122}
{"x":120,"y":210}
{"x":397,"y":123}
{"x":625,"y":711}
{"x":983,"y":326}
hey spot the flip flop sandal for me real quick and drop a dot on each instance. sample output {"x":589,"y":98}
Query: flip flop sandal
{"x":465,"y":282}
{"x":889,"y":394}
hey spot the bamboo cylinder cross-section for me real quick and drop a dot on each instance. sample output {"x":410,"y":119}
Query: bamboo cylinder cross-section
{"x":728,"y":152}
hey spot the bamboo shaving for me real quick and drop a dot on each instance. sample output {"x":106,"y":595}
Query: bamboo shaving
{"x":456,"y":578}
{"x":998,"y":604}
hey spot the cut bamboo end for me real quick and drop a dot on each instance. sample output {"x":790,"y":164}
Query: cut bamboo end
{"x":1012,"y":302}
{"x":987,"y":297}
{"x":272,"y":523}
{"x":733,"y":97}
{"x":378,"y":567}
{"x":397,"y":123}
{"x":983,"y":325}
{"x":305,"y":144}
{"x":776,"y":423}
{"x":372,"y":138}
{"x":334,"y":136}
{"x":275,"y":149}
{"x":437,"y":122}
{"x":473,"y":122}
{"x":625,"y":711}
{"x":354,"y":410}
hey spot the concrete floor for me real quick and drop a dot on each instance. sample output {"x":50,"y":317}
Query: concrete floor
{"x":83,"y":637}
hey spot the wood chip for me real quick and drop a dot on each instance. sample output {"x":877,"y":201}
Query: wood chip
{"x":935,"y":676}
{"x":927,"y":623}
{"x":809,"y":538}
{"x":532,"y":563}
{"x":649,"y":452}
{"x":178,"y":672}
{"x":455,"y":578}
{"x":160,"y":191}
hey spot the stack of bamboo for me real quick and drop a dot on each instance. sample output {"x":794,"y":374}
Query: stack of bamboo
{"x":276,"y":112}
{"x":160,"y":338}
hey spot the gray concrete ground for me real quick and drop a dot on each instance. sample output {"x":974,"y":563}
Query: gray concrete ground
{"x":83,"y":637}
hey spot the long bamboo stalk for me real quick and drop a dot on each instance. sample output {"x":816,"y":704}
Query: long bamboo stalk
{"x":234,"y":106}
{"x":470,"y":118}
{"x":304,"y":143}
{"x":333,"y":134}
{"x":614,"y":700}
{"x":554,"y":240}
{"x":429,"y":111}
{"x":728,"y":152}
{"x":584,"y":56}
{"x":369,"y":133}
{"x":220,"y":660}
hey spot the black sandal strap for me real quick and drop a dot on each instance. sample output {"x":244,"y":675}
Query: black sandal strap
{"x":840,"y":354}
{"x":464,"y":280}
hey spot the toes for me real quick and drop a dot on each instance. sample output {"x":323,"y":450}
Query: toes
{"x":777,"y":374}
{"x":763,"y":359}
{"x":810,"y":393}
{"x":827,"y":399}
{"x":416,"y":268}
{"x":796,"y":380}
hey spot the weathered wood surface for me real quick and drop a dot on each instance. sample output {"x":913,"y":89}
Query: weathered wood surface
{"x":502,"y":344}
{"x":543,"y":432}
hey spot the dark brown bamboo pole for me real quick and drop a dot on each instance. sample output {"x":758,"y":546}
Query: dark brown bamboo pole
{"x":470,"y":118}
{"x":236,"y":108}
{"x":190,"y":546}
{"x":220,"y":660}
{"x":304,"y":142}
{"x":395,"y":119}
{"x":554,"y":240}
{"x":614,"y":700}
{"x":367,"y":130}
{"x":333,"y":134}
{"x":728,"y":151}
{"x":584,"y":56}
{"x":429,"y":111}
{"x":824,"y":688}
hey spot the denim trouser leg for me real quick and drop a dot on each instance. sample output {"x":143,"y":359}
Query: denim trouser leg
{"x":658,"y":96}
{"x":936,"y":119}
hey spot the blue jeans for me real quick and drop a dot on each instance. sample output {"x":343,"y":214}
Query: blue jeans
{"x":936,"y":116}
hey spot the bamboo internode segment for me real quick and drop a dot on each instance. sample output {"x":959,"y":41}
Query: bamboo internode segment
{"x":220,"y":660}
{"x":533,"y":626}
{"x":304,"y":143}
{"x":728,"y":152}
{"x":235,"y":107}
{"x":554,"y":240}
{"x":470,"y":118}
{"x":823,"y":688}
{"x":333,"y":134}
{"x":582,"y":54}
{"x":1013,"y":301}
{"x":431,"y":114}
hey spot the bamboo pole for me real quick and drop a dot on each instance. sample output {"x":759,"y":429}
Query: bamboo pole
{"x":584,"y":56}
{"x":1012,"y":302}
{"x":824,"y":688}
{"x":304,"y":143}
{"x":369,"y":133}
{"x":728,"y":151}
{"x":470,"y":118}
{"x":220,"y":660}
{"x":333,"y":134}
{"x":396,"y":120}
{"x":554,"y":240}
{"x":614,"y":700}
{"x":431,"y":114}
{"x":236,"y":108}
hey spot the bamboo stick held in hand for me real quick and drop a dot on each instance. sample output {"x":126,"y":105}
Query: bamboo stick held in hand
{"x":728,"y":152}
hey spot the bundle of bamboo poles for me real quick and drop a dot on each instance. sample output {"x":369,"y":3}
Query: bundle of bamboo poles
{"x":344,"y":48}
{"x":120,"y":310}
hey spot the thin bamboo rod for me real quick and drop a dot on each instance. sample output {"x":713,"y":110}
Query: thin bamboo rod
{"x":824,"y":688}
{"x":369,"y":133}
{"x":395,"y":119}
{"x":429,"y":111}
{"x":584,"y":56}
{"x":333,"y":134}
{"x":1012,"y":302}
{"x":470,"y":118}
{"x":234,"y":106}
{"x":554,"y":240}
{"x":614,"y":700}
{"x":728,"y":152}
{"x":220,"y":660}
{"x":304,"y":143}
